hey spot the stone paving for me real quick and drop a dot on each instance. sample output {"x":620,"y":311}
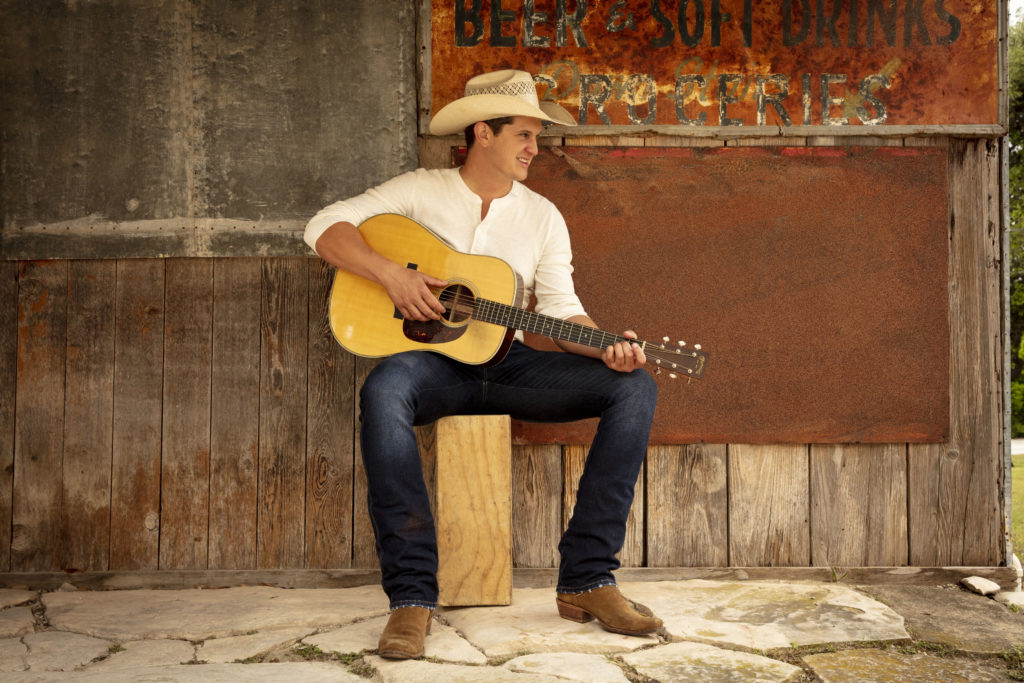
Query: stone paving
{"x":714,"y":631}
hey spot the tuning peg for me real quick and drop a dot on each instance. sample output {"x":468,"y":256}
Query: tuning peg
{"x":672,"y":375}
{"x":697,"y":346}
{"x":681,"y":343}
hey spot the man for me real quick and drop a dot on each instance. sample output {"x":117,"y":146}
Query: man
{"x":483,"y":208}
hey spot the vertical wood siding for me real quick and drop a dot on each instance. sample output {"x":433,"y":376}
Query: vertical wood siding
{"x":197,"y":414}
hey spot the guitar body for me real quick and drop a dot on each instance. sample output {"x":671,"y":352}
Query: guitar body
{"x":364,"y":319}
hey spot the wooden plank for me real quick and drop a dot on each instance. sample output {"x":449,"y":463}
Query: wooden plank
{"x":670,"y":141}
{"x":185,"y":465}
{"x":234,"y":413}
{"x":858,"y":505}
{"x":834,"y":141}
{"x":796,"y":131}
{"x":160,"y":238}
{"x":88,"y":410}
{"x":188,"y":579}
{"x":926,"y":141}
{"x":768,"y":506}
{"x":364,"y":550}
{"x":138,"y":394}
{"x":39,"y":416}
{"x":773,"y":141}
{"x":955,"y":496}
{"x":330,"y":441}
{"x":605,"y":141}
{"x":521,"y":578}
{"x":8,"y":385}
{"x":536,"y":505}
{"x":473,"y":504}
{"x":632,"y":552}
{"x":852,"y":576}
{"x":687,"y":507}
{"x":282,"y":463}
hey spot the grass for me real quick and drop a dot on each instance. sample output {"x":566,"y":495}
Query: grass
{"x":1017,"y":523}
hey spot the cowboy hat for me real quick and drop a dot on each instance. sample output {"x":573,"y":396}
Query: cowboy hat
{"x":494,"y":95}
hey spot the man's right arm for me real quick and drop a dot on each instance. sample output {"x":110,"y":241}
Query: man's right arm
{"x":343,"y":246}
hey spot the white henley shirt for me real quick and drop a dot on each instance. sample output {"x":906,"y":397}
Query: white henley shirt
{"x":523,"y":228}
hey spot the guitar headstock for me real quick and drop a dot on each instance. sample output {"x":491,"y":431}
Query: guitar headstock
{"x":677,"y":360}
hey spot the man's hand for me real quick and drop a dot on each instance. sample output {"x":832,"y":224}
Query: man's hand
{"x":624,"y":356}
{"x":343,"y":246}
{"x":410,"y":291}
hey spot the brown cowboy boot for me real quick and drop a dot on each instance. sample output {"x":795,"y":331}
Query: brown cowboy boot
{"x":613,"y":611}
{"x":404,"y":635}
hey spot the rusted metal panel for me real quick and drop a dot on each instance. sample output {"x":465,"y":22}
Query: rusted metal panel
{"x":732,"y":62}
{"x":816,"y":279}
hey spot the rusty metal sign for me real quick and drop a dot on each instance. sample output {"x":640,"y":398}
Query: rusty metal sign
{"x":732,"y":62}
{"x":814,"y":277}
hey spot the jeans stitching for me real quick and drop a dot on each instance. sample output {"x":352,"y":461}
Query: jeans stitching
{"x":413,"y":603}
{"x":586,"y":589}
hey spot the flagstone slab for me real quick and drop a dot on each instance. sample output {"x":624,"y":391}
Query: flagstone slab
{"x":950,"y":616}
{"x":403,"y":671}
{"x":1012,"y":599}
{"x":882,"y":666}
{"x":709,"y":664}
{"x":361,"y":636}
{"x":13,"y":655}
{"x":531,"y":624}
{"x":241,"y":648}
{"x":571,"y":666}
{"x":58,"y":651}
{"x":10,"y":597}
{"x":203,"y":614}
{"x":321,"y":672}
{"x":443,"y":643}
{"x":765,"y":615}
{"x":142,"y":653}
{"x":16,"y":621}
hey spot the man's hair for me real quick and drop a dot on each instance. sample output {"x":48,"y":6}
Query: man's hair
{"x":494,"y":124}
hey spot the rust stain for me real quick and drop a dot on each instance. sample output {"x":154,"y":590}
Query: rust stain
{"x":41,"y":303}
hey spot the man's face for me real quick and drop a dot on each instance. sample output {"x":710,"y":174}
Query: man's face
{"x":515,"y":146}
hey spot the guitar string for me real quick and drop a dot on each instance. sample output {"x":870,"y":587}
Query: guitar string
{"x":503,"y":314}
{"x":497,"y":311}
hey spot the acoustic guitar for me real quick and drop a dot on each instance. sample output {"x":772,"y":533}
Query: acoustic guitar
{"x":482,"y":307}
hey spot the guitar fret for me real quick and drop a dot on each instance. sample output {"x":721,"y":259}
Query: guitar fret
{"x":520,"y":319}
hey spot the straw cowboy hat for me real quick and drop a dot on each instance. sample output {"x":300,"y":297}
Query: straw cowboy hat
{"x":494,"y":95}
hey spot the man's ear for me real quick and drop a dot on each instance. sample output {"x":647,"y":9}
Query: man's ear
{"x":483,"y":132}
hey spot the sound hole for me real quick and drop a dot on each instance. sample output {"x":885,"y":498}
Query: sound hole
{"x":459,"y":302}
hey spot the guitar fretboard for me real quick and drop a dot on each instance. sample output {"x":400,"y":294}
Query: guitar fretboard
{"x":519,"y":319}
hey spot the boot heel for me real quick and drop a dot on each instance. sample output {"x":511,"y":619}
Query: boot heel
{"x":572,"y":612}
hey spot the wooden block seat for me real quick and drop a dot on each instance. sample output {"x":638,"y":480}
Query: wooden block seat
{"x":472,"y":468}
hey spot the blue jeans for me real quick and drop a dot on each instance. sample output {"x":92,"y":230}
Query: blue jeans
{"x":416,"y":388}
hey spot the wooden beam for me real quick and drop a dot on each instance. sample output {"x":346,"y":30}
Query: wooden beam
{"x":522,"y":578}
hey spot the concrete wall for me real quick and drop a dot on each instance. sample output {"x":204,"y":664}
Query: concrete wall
{"x":160,"y":119}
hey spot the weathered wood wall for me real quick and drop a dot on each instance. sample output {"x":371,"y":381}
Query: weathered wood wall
{"x":197,"y":414}
{"x":162,"y":411}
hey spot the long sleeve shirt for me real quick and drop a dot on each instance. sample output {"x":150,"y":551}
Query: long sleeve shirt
{"x":522,"y":228}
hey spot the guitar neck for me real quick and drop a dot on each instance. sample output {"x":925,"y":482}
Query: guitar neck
{"x":676,"y":361}
{"x":544,"y":325}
